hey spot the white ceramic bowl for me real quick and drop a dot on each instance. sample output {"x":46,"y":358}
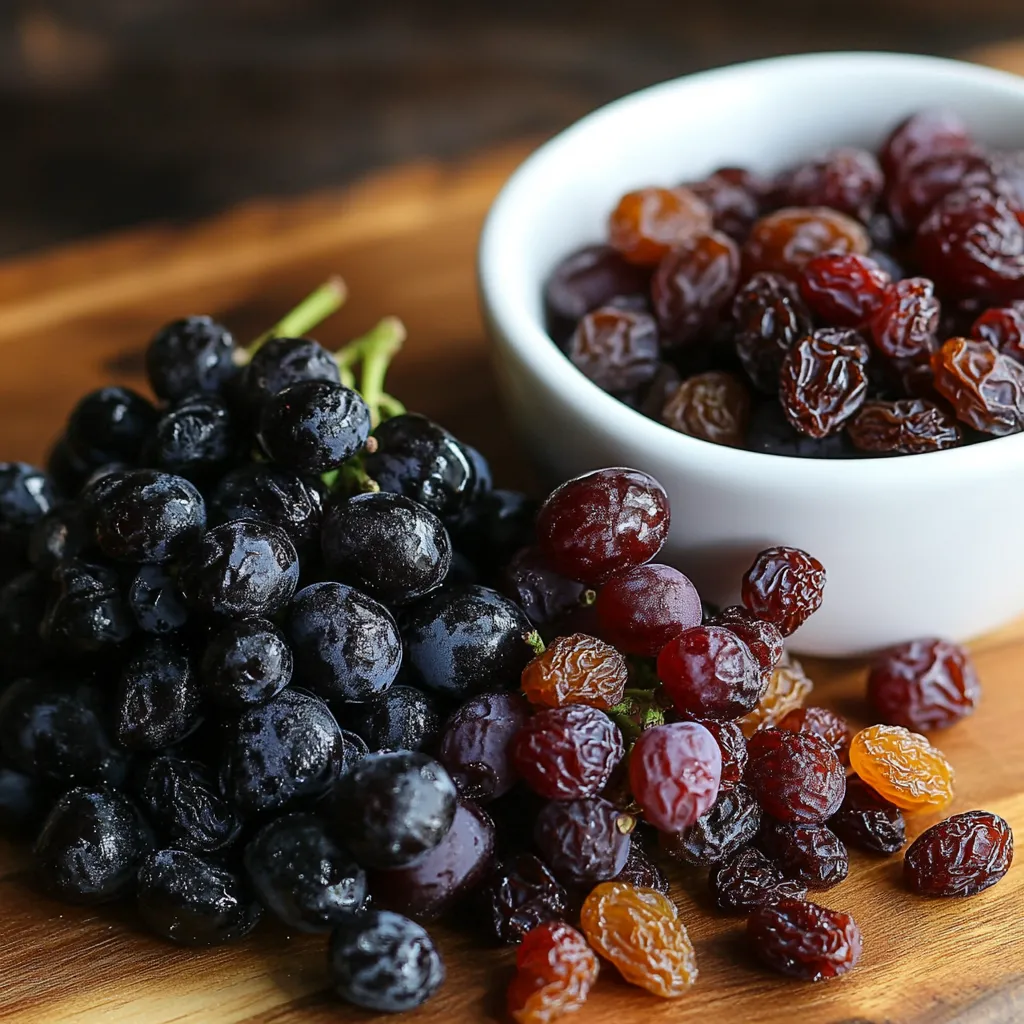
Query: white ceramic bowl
{"x":915,"y":545}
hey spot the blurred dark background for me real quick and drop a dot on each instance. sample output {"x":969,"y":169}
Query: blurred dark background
{"x":120,"y":111}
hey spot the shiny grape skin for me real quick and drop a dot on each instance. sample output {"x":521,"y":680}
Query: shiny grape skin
{"x":387,"y":545}
{"x":112,"y":424}
{"x":598,"y":525}
{"x":544,"y":595}
{"x":90,"y":846}
{"x":246,"y":663}
{"x":465,"y":639}
{"x":475,"y":744}
{"x":155,"y":600}
{"x":436,"y":880}
{"x":281,"y":753}
{"x":393,"y":807}
{"x":400,"y":718}
{"x":346,"y":645}
{"x":192,"y":901}
{"x":189,"y":355}
{"x":86,"y":612}
{"x":282,"y":362}
{"x":196,"y":439}
{"x":582,"y":840}
{"x":302,"y":875}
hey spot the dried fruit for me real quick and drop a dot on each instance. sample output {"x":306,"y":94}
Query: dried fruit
{"x":822,"y":383}
{"x":788,"y":688}
{"x":521,"y":895}
{"x":639,"y":931}
{"x":713,"y":406}
{"x":829,"y":725}
{"x":924,"y":685}
{"x":763,"y":639}
{"x":577,"y":669}
{"x":641,"y":872}
{"x":960,"y":856}
{"x":803,"y":940}
{"x":844,"y":290}
{"x":748,"y":880}
{"x":1002,"y":327}
{"x":926,"y":134}
{"x":903,"y":767}
{"x":848,"y":180}
{"x":785,"y":240}
{"x":918,"y":188}
{"x":730,"y":824}
{"x":868,"y":821}
{"x":733,"y":195}
{"x":647,"y":223}
{"x":784,"y":585}
{"x":615,"y":348}
{"x":795,"y":776}
{"x":811,"y":854}
{"x":583,"y":841}
{"x":555,"y":969}
{"x":733,"y":745}
{"x":589,"y":278}
{"x":905,"y":324}
{"x":911,"y":426}
{"x":985,"y":388}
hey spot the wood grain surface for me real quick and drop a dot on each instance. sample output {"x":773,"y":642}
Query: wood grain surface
{"x":76,"y":318}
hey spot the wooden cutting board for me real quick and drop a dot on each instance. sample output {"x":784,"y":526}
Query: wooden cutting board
{"x":76,"y":318}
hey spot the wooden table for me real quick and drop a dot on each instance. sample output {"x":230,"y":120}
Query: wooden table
{"x":78,"y":317}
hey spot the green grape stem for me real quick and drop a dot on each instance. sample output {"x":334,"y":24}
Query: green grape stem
{"x":375,"y":350}
{"x":312,"y":310}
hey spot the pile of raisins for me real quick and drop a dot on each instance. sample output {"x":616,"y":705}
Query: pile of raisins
{"x":853,"y":305}
{"x":348,"y":684}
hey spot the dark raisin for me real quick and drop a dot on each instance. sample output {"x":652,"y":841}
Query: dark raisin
{"x":868,"y":821}
{"x":748,"y":880}
{"x":730,"y":824}
{"x":804,"y":941}
{"x":810,"y":854}
{"x":961,"y":856}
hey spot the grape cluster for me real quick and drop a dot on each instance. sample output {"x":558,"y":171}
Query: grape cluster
{"x":316,"y":666}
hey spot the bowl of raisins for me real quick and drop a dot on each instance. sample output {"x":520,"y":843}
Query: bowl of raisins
{"x":793,"y":291}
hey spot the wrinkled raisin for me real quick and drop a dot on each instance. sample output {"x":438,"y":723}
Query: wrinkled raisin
{"x":829,"y":725}
{"x":985,"y":387}
{"x":639,"y":931}
{"x":822,"y":383}
{"x":785,"y":240}
{"x":713,"y":406}
{"x":788,"y":688}
{"x":733,"y":196}
{"x":709,"y":672}
{"x":762,"y":638}
{"x":733,"y":745}
{"x":923,"y":135}
{"x":647,"y":223}
{"x":905,"y":324}
{"x":555,"y":970}
{"x":567,"y":753}
{"x":918,"y":188}
{"x":1003,"y":327}
{"x":848,"y":180}
{"x":868,"y":821}
{"x":843,"y":289}
{"x":731,"y":823}
{"x":641,"y":872}
{"x":903,"y":767}
{"x":924,"y":685}
{"x":960,"y":856}
{"x":693,"y":282}
{"x":576,"y":669}
{"x":615,"y":348}
{"x":811,"y":854}
{"x":589,"y":278}
{"x":520,"y":895}
{"x":910,"y":426}
{"x":784,"y":585}
{"x":803,"y":940}
{"x":748,"y":880}
{"x":796,"y":776}
{"x":583,"y":841}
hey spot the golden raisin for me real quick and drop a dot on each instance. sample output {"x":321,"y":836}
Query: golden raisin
{"x":713,"y":406}
{"x":577,"y":669}
{"x":639,"y":931}
{"x":555,"y":970}
{"x":788,"y":688}
{"x":787,"y":239}
{"x":650,"y":222}
{"x":903,"y":767}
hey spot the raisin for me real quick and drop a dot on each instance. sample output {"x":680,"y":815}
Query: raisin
{"x":693,"y":282}
{"x":918,"y":188}
{"x":748,"y":880}
{"x":843,"y":289}
{"x":731,"y":823}
{"x":848,"y":180}
{"x":567,"y":753}
{"x":829,"y":725}
{"x":905,"y":324}
{"x":796,"y":776}
{"x":674,"y":772}
{"x":555,"y":969}
{"x":641,"y":610}
{"x":985,"y":387}
{"x":770,"y":317}
{"x":584,"y":841}
{"x":972,"y":246}
{"x":811,"y":854}
{"x":641,"y":872}
{"x":788,"y":688}
{"x":925,"y":134}
{"x":598,"y":525}
{"x":821,"y":385}
{"x":709,"y":672}
{"x":803,"y":940}
{"x":616,"y":349}
{"x":924,"y":685}
{"x":544,"y":595}
{"x":639,"y":931}
{"x":589,"y":278}
{"x":785,"y":586}
{"x":520,"y":895}
{"x":960,"y":856}
{"x":733,"y":196}
{"x":713,"y":406}
{"x":910,"y":426}
{"x":903,"y":767}
{"x":868,"y":821}
{"x":1002,"y":327}
{"x":647,"y":223}
{"x":785,"y":240}
{"x":576,"y":669}
{"x":763,"y":639}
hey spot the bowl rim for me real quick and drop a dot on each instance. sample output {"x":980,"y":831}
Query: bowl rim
{"x":527,"y":335}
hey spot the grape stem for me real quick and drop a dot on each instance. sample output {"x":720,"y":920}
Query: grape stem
{"x":375,"y":350}
{"x":312,"y":310}
{"x":535,"y":642}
